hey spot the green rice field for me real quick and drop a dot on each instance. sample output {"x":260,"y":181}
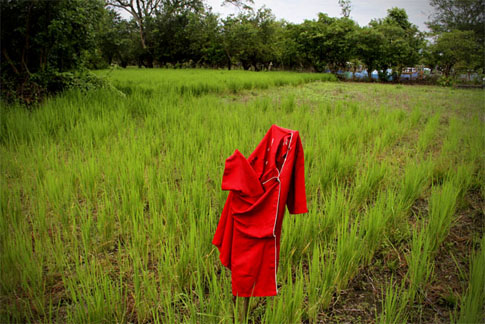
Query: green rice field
{"x":110,"y":198}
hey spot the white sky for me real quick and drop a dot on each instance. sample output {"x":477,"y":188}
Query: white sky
{"x":362,"y":12}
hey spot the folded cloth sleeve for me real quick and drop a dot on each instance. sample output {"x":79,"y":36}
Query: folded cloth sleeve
{"x":296,"y":200}
{"x":240,"y":177}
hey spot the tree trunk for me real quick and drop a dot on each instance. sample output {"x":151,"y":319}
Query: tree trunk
{"x":149,"y":60}
{"x":245,"y":65}
{"x":383,"y":74}
{"x":370,"y":68}
{"x":243,"y":311}
{"x":141,"y":30}
{"x":447,"y":70}
{"x":229,"y":62}
{"x":256,"y":67}
{"x":10,"y":62}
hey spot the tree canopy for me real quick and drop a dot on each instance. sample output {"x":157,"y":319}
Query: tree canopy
{"x":459,"y":30}
{"x":46,"y":36}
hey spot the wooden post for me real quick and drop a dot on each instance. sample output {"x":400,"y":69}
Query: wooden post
{"x":245,"y":308}
{"x":242,"y":312}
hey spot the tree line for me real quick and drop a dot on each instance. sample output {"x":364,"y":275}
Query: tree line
{"x":44,"y":40}
{"x":187,"y":33}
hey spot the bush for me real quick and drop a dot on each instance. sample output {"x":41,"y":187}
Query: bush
{"x":445,"y":81}
{"x":35,"y":87}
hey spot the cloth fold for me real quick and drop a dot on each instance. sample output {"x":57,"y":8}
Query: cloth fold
{"x":249,"y":230}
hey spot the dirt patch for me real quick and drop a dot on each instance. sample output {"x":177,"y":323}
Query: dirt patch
{"x":452,"y":266}
{"x":362,"y":301}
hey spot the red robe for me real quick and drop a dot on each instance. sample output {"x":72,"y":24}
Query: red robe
{"x":248,"y":233}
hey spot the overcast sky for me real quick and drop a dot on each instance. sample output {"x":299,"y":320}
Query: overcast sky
{"x":363,"y":11}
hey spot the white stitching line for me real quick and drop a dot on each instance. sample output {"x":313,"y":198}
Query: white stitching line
{"x":277,"y":178}
{"x":277,"y":209}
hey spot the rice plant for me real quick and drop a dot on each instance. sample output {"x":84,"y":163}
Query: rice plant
{"x":109,"y":199}
{"x":471,"y":310}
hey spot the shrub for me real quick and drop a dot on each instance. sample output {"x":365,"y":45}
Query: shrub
{"x":445,"y":81}
{"x":35,"y":87}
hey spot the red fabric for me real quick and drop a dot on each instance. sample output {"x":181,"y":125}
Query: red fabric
{"x":248,"y":233}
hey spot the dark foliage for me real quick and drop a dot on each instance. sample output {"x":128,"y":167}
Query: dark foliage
{"x":41,"y":40}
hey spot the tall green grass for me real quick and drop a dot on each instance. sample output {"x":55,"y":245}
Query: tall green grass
{"x":109,"y":200}
{"x":393,"y":304}
{"x":474,"y":299}
{"x":427,"y":237}
{"x":191,"y":82}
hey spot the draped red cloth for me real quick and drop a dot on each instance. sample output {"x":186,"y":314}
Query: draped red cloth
{"x":248,"y":233}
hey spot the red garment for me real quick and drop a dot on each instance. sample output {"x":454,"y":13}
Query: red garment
{"x":248,"y":233}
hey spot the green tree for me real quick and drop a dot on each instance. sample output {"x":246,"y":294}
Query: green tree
{"x":291,"y":56}
{"x":311,"y":41}
{"x":370,"y":43}
{"x":205,"y":38}
{"x":241,"y":4}
{"x":346,"y":6}
{"x":328,"y":42}
{"x":250,"y":38}
{"x":129,"y":49}
{"x":161,"y":25}
{"x":113,"y":36}
{"x":141,"y":11}
{"x":452,"y":17}
{"x":269,"y":31}
{"x":466,"y":15}
{"x":340,"y":43}
{"x":403,"y":42}
{"x":454,"y":51}
{"x":43,"y":37}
